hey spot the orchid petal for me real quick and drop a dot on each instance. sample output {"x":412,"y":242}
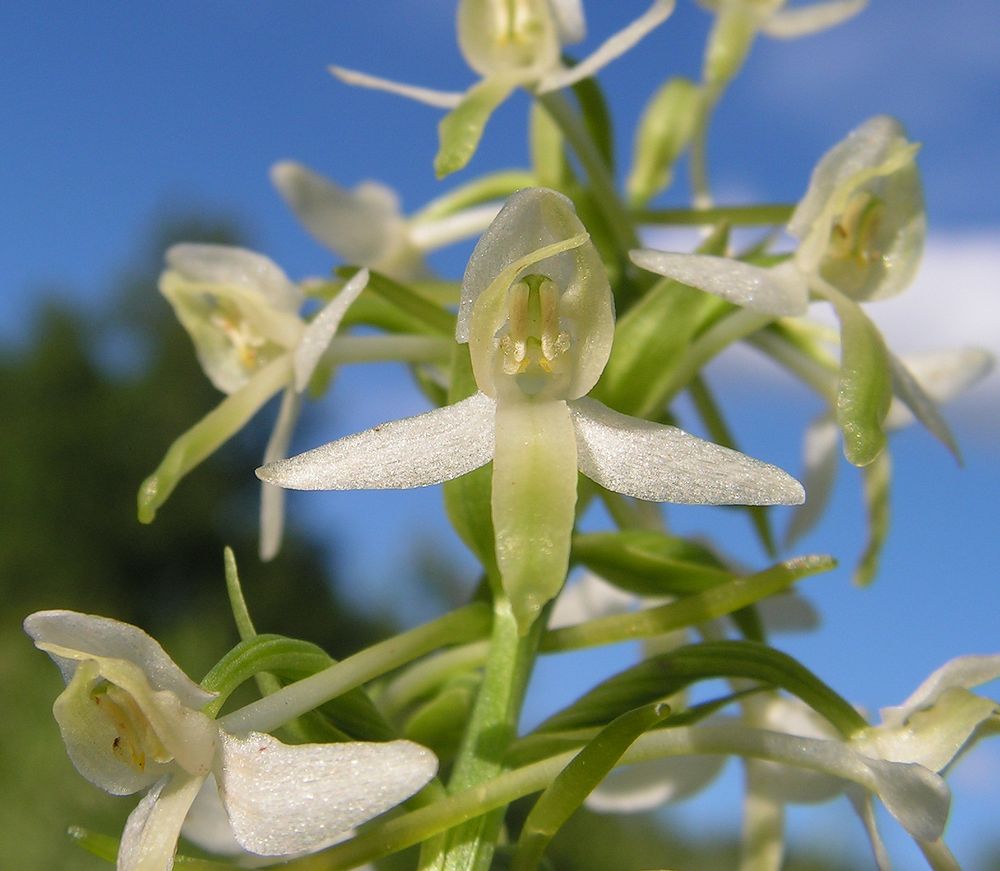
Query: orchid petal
{"x":283,"y":799}
{"x":534,"y":501}
{"x":518,"y":41}
{"x":946,"y":374}
{"x":90,"y":735}
{"x":665,"y":464}
{"x":238,"y":267}
{"x":918,"y":799}
{"x":362,"y":225}
{"x":163,"y":730}
{"x":235,"y":331}
{"x":931,"y":736}
{"x":822,"y":457}
{"x":942,"y":375}
{"x":807,"y":20}
{"x":963,"y":672}
{"x":414,"y":452}
{"x":320,"y":330}
{"x":428,"y":96}
{"x":150,"y":836}
{"x":431,"y":233}
{"x":209,"y":433}
{"x":207,"y":823}
{"x":636,"y":788}
{"x":911,"y":393}
{"x":538,"y":231}
{"x":570,"y":20}
{"x":865,"y":809}
{"x":86,"y":636}
{"x":778,"y":290}
{"x":272,"y":499}
{"x":874,"y":160}
{"x":613,"y":47}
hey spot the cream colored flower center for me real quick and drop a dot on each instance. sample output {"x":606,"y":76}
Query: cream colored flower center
{"x":518,"y":28}
{"x":250,"y":346}
{"x":135,"y":741}
{"x":853,"y":251}
{"x":532,"y":344}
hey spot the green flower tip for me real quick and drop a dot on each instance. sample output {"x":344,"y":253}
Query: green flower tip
{"x":149,"y":498}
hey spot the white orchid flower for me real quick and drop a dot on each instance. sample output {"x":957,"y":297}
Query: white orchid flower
{"x":739,"y":21}
{"x":511,"y":43}
{"x":860,"y":227}
{"x":132,"y":721}
{"x":241,"y":312}
{"x":537,"y":313}
{"x":940,"y":720}
{"x":366,"y":226}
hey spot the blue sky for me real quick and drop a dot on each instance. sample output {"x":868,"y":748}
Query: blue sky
{"x":117,"y":113}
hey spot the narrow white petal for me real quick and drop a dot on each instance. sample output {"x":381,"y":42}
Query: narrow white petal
{"x":964,"y":672}
{"x":272,"y":499}
{"x":150,"y":836}
{"x":665,"y":464}
{"x":320,"y":330}
{"x":613,"y":47}
{"x":229,"y":265}
{"x":362,"y":225}
{"x":865,"y":809}
{"x":413,"y":452}
{"x":439,"y":99}
{"x":943,"y":375}
{"x":778,"y":290}
{"x":284,"y":799}
{"x":427,"y":235}
{"x":806,"y":20}
{"x":93,"y":636}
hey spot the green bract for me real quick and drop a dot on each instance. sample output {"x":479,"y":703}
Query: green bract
{"x":537,"y":313}
{"x":132,"y":720}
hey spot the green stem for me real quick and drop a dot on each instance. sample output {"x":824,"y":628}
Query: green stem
{"x":386,"y":348}
{"x":766,"y":213}
{"x":491,"y":729}
{"x":264,"y":715}
{"x":606,"y":196}
{"x":836,"y":758}
{"x":690,"y":611}
{"x":700,"y":187}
